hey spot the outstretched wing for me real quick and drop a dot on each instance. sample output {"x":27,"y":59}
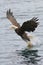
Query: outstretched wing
{"x":30,"y":25}
{"x":11,"y":18}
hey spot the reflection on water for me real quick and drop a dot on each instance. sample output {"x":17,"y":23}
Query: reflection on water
{"x":30,"y":56}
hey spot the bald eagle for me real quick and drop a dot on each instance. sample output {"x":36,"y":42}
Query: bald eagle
{"x":28,"y":26}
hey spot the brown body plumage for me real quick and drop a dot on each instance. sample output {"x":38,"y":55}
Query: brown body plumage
{"x":29,"y":25}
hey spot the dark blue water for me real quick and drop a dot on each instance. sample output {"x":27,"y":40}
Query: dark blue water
{"x":13,"y":50}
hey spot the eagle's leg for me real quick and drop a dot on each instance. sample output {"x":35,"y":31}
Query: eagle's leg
{"x":25,"y":37}
{"x":29,"y":43}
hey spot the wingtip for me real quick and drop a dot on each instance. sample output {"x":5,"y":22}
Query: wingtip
{"x":35,"y":19}
{"x":9,"y":13}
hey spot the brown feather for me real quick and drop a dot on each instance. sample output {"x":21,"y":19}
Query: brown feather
{"x":30,"y":25}
{"x":11,"y":18}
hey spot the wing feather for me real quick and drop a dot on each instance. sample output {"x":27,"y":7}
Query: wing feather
{"x":30,"y":25}
{"x":10,"y":16}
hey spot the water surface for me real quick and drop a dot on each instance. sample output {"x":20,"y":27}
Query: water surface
{"x":13,"y":50}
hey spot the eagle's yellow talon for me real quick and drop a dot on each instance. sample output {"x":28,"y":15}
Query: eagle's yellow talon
{"x":29,"y":44}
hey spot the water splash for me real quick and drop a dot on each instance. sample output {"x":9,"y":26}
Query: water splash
{"x":34,"y":41}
